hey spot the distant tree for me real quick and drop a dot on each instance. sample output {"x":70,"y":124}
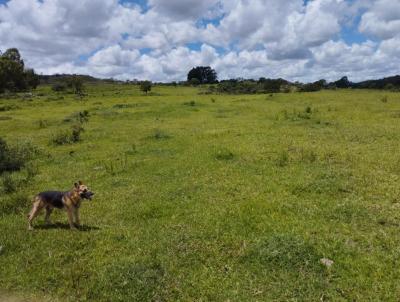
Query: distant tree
{"x":145,"y":86}
{"x":13,"y":75}
{"x":76,"y":84}
{"x":204,"y":74}
{"x":343,"y":83}
{"x":31,"y":78}
{"x":57,"y":87}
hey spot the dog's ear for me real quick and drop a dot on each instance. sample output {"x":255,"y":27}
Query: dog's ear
{"x":80,"y":182}
{"x":76,"y":185}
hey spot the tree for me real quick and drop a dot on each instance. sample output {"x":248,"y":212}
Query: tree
{"x":76,"y":83}
{"x":204,"y":74}
{"x":343,"y":83}
{"x":31,"y":78}
{"x":145,"y":86}
{"x":13,"y":75}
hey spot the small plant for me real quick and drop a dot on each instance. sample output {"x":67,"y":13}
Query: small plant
{"x":42,"y":124}
{"x":384,"y":99}
{"x":77,"y":129}
{"x":159,"y":134}
{"x":191,"y":103}
{"x":224,"y":154}
{"x":213,"y":100}
{"x":83,"y":116}
{"x":61,"y":138}
{"x":308,"y":110}
{"x":308,"y":156}
{"x":71,"y":136}
{"x":282,"y":159}
{"x":59,"y":87}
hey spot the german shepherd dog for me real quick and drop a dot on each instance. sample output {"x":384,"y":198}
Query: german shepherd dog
{"x":70,"y":201}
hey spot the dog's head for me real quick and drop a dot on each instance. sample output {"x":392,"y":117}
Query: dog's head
{"x":83,"y":190}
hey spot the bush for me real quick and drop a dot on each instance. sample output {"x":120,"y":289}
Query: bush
{"x":145,"y":86}
{"x":68,"y":136}
{"x":224,"y":154}
{"x":61,"y":138}
{"x":14,"y":158}
{"x":77,"y":129}
{"x":58,"y":87}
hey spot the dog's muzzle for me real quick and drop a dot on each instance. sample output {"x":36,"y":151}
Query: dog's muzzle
{"x":87,"y":195}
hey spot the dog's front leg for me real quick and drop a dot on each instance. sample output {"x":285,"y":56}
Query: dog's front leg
{"x":70,"y":219}
{"x":77,"y":221}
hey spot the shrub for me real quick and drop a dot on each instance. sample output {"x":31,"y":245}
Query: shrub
{"x":77,"y":129}
{"x":68,"y":136}
{"x":191,"y":103}
{"x":61,"y":138}
{"x":42,"y":124}
{"x":145,"y":86}
{"x":224,"y":154}
{"x":282,"y":159}
{"x":159,"y":134}
{"x":58,"y":87}
{"x":14,"y":158}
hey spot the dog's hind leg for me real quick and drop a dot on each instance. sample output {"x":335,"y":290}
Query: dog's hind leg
{"x":48,"y":213}
{"x":37,"y":207}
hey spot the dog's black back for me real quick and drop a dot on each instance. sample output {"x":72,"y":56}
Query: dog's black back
{"x":53,"y":198}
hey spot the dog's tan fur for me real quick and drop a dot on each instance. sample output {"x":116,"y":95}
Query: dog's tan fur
{"x":71,"y":202}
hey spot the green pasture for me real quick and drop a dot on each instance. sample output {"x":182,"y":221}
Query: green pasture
{"x":205,"y":197}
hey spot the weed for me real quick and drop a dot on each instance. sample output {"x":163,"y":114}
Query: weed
{"x":191,"y":103}
{"x":384,"y":99}
{"x":282,"y":159}
{"x":159,"y":134}
{"x":77,"y":129}
{"x":42,"y":124}
{"x":224,"y":154}
{"x":308,"y":156}
{"x":62,"y":137}
{"x":65,"y":137}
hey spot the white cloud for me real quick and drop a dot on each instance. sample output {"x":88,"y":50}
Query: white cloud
{"x":382,"y":20}
{"x":247,"y":38}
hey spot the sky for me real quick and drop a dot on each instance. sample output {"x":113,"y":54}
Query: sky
{"x":161,"y":40}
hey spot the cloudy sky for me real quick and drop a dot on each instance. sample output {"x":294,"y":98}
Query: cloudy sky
{"x":161,"y":40}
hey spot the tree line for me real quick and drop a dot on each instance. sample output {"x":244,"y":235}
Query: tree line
{"x":15,"y":77}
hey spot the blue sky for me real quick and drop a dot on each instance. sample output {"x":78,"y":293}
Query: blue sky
{"x":161,"y":40}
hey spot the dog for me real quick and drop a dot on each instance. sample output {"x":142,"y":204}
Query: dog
{"x":70,"y":201}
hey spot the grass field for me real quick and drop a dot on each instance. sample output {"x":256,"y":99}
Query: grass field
{"x":208,"y":197}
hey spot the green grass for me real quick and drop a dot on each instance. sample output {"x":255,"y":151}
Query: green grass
{"x":208,"y":197}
